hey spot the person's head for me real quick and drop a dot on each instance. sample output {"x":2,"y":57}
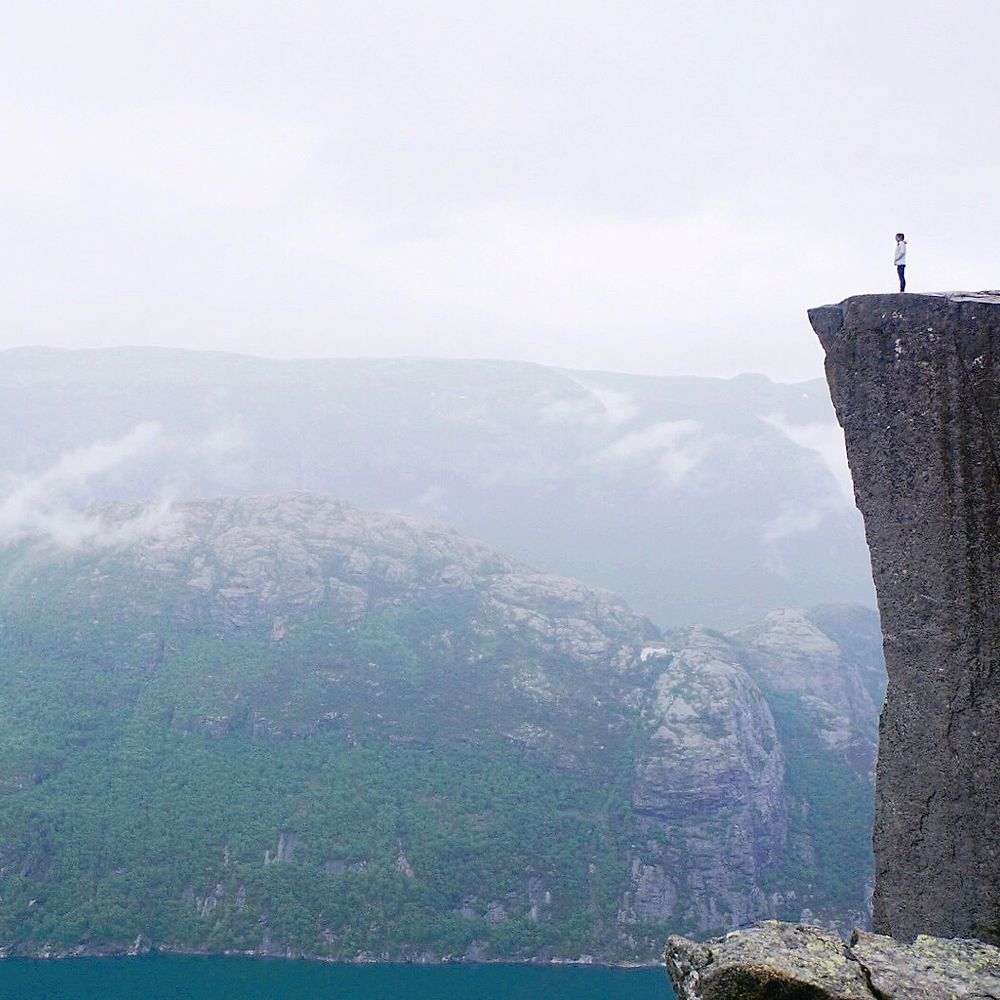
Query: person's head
{"x":900,"y":237}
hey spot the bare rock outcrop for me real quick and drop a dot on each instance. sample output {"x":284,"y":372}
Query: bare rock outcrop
{"x":709,"y":794}
{"x":243,"y":560}
{"x":788,"y":653}
{"x":915,"y":381}
{"x":798,"y":962}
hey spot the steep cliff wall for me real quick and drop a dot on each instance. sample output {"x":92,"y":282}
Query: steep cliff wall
{"x":709,"y":795}
{"x":915,"y":380}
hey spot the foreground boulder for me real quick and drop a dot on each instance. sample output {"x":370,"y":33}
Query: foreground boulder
{"x":775,"y":961}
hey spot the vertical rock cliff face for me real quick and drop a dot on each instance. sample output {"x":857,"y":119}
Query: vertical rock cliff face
{"x":915,"y":380}
{"x":709,"y":794}
{"x":754,"y":775}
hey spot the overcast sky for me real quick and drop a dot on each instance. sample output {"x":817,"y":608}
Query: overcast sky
{"x":658,"y":187}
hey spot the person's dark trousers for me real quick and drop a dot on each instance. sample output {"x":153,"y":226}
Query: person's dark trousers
{"x":901,"y":271}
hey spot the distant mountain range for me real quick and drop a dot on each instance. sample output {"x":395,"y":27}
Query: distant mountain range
{"x":284,"y":725}
{"x":698,"y":500}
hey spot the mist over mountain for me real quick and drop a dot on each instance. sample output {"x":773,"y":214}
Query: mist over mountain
{"x":696,"y":499}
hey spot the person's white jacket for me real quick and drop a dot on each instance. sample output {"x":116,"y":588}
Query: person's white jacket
{"x":900,"y":257}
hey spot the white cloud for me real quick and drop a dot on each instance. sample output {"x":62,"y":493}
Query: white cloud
{"x":616,"y":407}
{"x":570,"y":412}
{"x":827,"y":440}
{"x":794,"y":519}
{"x":52,"y":504}
{"x":674,"y":448}
{"x":433,"y":498}
{"x":57,"y":503}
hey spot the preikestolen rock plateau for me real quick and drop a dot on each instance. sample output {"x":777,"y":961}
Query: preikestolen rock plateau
{"x":916,"y":385}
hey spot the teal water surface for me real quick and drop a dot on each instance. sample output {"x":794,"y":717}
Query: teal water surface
{"x":170,"y":977}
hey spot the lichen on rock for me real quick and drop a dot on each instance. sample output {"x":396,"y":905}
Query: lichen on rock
{"x":775,"y":961}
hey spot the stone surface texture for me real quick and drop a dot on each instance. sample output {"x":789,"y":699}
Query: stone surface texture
{"x":930,"y":967}
{"x":915,"y":381}
{"x":774,"y":961}
{"x":719,"y":817}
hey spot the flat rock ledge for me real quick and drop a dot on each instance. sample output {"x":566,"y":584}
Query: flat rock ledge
{"x":776,"y":961}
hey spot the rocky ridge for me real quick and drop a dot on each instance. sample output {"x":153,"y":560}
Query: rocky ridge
{"x":739,"y":482}
{"x":244,"y":560}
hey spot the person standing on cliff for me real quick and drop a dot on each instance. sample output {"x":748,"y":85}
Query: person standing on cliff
{"x":900,"y":260}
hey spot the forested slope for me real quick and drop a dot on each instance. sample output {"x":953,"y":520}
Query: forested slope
{"x":284,"y":725}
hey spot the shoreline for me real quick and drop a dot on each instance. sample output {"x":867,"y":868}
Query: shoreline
{"x":141,"y":949}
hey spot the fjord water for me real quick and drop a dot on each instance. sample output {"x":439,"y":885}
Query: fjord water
{"x":162,"y":977}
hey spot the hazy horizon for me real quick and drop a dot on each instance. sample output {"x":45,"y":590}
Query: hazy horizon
{"x":658,"y":190}
{"x":457,"y":359}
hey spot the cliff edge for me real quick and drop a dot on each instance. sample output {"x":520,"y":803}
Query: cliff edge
{"x":915,"y":381}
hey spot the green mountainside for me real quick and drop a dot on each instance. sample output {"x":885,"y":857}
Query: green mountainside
{"x":283,"y":725}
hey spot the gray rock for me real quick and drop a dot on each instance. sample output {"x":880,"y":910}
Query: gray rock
{"x":929,"y":968}
{"x":771,"y":960}
{"x":916,"y":386}
{"x":796,"y":962}
{"x":276,"y":557}
{"x":286,"y":846}
{"x":789,"y":653}
{"x":708,"y":793}
{"x":718,"y":848}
